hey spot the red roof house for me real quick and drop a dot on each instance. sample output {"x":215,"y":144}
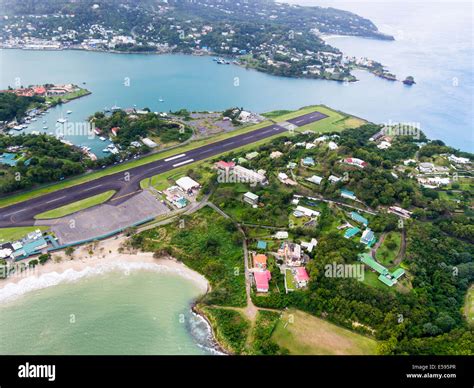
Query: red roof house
{"x":301,"y":276}
{"x":261,"y":280}
{"x":260,"y":261}
{"x":115,"y":130}
{"x":223,"y":165}
{"x":40,"y":90}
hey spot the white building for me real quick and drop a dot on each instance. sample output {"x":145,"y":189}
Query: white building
{"x":307,"y":212}
{"x":315,"y":179}
{"x":251,"y":198}
{"x":187,"y":184}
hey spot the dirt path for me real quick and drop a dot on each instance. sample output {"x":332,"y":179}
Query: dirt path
{"x":403,"y":248}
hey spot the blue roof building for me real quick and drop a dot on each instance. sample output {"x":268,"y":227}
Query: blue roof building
{"x":368,"y":237}
{"x":8,"y":159}
{"x":308,"y":161}
{"x":348,"y":194}
{"x":357,"y":217}
{"x":261,"y":244}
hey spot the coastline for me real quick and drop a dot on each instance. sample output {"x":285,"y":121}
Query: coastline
{"x":107,"y":256}
{"x":102,"y":256}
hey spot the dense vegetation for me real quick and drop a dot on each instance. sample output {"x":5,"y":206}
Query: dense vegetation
{"x":208,"y":244}
{"x":41,"y":159}
{"x":133,"y":128}
{"x":13,"y":106}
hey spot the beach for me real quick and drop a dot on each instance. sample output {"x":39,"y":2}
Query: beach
{"x":94,"y":259}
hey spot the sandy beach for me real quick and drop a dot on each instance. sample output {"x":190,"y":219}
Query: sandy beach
{"x":94,"y":259}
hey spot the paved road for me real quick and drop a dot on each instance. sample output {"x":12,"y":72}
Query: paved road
{"x":127,"y":183}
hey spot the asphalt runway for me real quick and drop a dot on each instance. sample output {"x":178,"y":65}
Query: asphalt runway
{"x":127,"y":183}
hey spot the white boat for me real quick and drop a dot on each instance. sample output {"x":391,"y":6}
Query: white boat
{"x":62,"y":120}
{"x":69,"y":112}
{"x":105,"y":150}
{"x":161,"y":99}
{"x":102,"y":138}
{"x":45,"y":127}
{"x":18,"y":127}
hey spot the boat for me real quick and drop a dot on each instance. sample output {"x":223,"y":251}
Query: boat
{"x":106,"y":109}
{"x":105,"y":150}
{"x":115,"y":108}
{"x":18,"y":127}
{"x":45,"y":127}
{"x":62,"y":120}
{"x":44,"y":121}
{"x":69,"y":112}
{"x":161,"y":99}
{"x":102,"y":138}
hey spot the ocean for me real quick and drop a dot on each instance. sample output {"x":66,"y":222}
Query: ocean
{"x":433,"y":43}
{"x":97,"y":311}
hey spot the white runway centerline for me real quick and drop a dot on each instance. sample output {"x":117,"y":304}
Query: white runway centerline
{"x":175,"y":157}
{"x":181,"y":163}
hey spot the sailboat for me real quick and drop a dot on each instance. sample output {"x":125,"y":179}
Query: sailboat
{"x":161,"y":99}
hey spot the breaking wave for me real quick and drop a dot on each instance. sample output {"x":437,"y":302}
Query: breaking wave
{"x":33,"y":283}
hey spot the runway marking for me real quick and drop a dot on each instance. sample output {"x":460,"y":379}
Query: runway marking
{"x":175,"y":157}
{"x":92,"y":188}
{"x":229,"y":143}
{"x":57,"y":199}
{"x":18,"y":211}
{"x":248,"y":137}
{"x":154,"y":168}
{"x":181,"y":163}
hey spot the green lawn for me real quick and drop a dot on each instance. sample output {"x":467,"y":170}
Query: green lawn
{"x":469,"y":306}
{"x":304,"y":334}
{"x":12,"y":234}
{"x":335,"y":122}
{"x":387,"y":252}
{"x":76,"y":206}
{"x":290,"y":280}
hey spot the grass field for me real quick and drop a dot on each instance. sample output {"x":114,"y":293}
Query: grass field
{"x":309,"y":335}
{"x":76,"y":206}
{"x":469,"y":306}
{"x":387,"y":252}
{"x":12,"y":234}
{"x":335,"y":121}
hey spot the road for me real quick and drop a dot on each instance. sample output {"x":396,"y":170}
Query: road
{"x":127,"y":183}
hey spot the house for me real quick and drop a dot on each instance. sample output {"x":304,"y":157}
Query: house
{"x":351,"y":232}
{"x":251,"y":155}
{"x":291,"y":254}
{"x":261,"y":280}
{"x":355,"y":162}
{"x":368,"y":237}
{"x":187,"y":184}
{"x":384,"y":145}
{"x":399,"y":211}
{"x":308,"y":161}
{"x":301,"y":277}
{"x":250,"y":176}
{"x":281,"y":235}
{"x":309,"y":246}
{"x":149,"y":143}
{"x":275,"y":155}
{"x":262,"y":245}
{"x":458,"y":160}
{"x":115,"y":130}
{"x":251,"y":198}
{"x":334,"y":179}
{"x":260,"y":261}
{"x":283,"y":178}
{"x":291,"y":165}
{"x":433,"y":182}
{"x":307,"y":212}
{"x":358,"y":218}
{"x":223,"y":165}
{"x":332,"y":146}
{"x":426,"y":167}
{"x":315,"y":179}
{"x":348,"y":194}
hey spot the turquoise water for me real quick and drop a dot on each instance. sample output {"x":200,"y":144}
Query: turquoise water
{"x":435,"y":48}
{"x":143,"y":312}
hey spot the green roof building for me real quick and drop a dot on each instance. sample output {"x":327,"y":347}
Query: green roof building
{"x":398,"y":273}
{"x":387,"y":281}
{"x":367,"y":260}
{"x":357,"y":217}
